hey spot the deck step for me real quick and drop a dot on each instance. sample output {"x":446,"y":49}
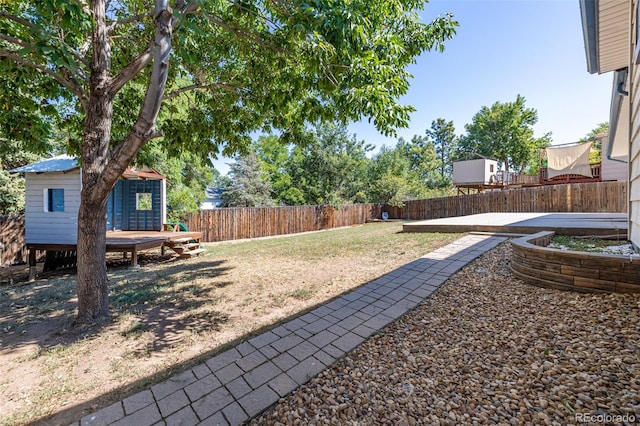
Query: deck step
{"x":179,"y":248}
{"x":180,"y":240}
{"x":191,"y":253}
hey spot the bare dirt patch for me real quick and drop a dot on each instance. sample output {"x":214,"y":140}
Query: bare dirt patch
{"x":171,"y":313}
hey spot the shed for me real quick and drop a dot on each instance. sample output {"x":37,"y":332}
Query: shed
{"x":52,"y":201}
{"x":474,"y":172}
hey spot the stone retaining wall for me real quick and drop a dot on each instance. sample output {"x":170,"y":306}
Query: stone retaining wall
{"x":536,"y":264}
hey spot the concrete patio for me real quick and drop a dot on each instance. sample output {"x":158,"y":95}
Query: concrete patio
{"x":528,"y":223}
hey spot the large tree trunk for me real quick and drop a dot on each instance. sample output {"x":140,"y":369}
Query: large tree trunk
{"x":92,"y":289}
{"x":93,"y":292}
{"x":101,"y":168}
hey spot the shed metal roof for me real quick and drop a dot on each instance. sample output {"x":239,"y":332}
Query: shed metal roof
{"x":66,"y":163}
{"x":60,"y":163}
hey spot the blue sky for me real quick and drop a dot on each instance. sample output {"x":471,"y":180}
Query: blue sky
{"x":504,"y":48}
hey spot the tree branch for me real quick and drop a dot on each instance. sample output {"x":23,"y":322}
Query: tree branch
{"x":244,"y":34}
{"x":129,"y":72}
{"x":136,"y":18}
{"x":78,"y":55}
{"x":68,"y":82}
{"x":15,"y":41}
{"x":14,"y":18}
{"x":22,"y":43}
{"x":186,"y":8}
{"x":225,"y":86}
{"x":256,"y":14}
{"x":144,"y":127}
{"x":132,"y":69}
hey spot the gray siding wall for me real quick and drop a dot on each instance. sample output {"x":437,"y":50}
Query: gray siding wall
{"x":52,"y":227}
{"x":613,"y":170}
{"x":634,"y":132}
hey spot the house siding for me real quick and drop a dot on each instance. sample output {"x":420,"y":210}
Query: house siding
{"x":613,"y":170}
{"x":634,"y":154}
{"x":43,"y":227}
{"x":613,"y":35}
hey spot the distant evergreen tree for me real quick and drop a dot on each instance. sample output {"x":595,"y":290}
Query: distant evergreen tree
{"x":246,"y":184}
{"x":443,"y":136}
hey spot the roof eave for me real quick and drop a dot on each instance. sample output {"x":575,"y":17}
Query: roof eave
{"x":588,"y":12}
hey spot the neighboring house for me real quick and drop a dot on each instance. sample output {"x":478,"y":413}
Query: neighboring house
{"x":136,"y":203}
{"x":213,"y":199}
{"x":611,"y":37}
{"x":612,"y":169}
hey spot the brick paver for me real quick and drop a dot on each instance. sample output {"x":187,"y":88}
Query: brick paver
{"x":241,"y":382}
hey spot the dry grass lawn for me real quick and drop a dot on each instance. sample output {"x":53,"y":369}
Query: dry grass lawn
{"x":171,"y":314}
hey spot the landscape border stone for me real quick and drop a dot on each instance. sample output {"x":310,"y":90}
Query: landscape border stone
{"x":586,"y":272}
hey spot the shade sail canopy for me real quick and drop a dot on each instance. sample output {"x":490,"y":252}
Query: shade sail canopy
{"x":565,"y":160}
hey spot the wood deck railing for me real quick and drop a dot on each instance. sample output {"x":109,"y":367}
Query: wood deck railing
{"x":596,"y":172}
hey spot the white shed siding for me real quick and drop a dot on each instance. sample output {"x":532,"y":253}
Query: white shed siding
{"x":474,"y":172}
{"x":634,"y":158}
{"x":52,"y":227}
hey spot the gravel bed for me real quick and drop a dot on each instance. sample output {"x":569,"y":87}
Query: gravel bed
{"x":485,"y":349}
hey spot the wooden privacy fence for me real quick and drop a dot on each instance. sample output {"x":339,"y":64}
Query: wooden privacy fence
{"x":601,"y":197}
{"x":12,"y":245}
{"x":253,"y":222}
{"x":250,"y":222}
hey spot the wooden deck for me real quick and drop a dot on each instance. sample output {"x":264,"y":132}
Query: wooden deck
{"x":140,"y":240}
{"x":122,"y":242}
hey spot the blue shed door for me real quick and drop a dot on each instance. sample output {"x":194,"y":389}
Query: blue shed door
{"x":142,"y":205}
{"x":114,"y":207}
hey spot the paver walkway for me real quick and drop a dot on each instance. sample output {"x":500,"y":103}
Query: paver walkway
{"x":240,"y":383}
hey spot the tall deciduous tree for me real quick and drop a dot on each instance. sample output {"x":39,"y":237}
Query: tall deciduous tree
{"x":329,"y":166}
{"x":274,"y":155}
{"x":107,"y":68}
{"x":421,"y":154}
{"x":504,"y":132}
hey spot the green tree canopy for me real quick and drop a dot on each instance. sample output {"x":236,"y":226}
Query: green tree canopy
{"x":275,"y":157}
{"x":329,"y":166}
{"x":12,"y":155}
{"x":405,"y":172}
{"x":504,"y":132}
{"x":595,"y":155}
{"x":204,"y":74}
